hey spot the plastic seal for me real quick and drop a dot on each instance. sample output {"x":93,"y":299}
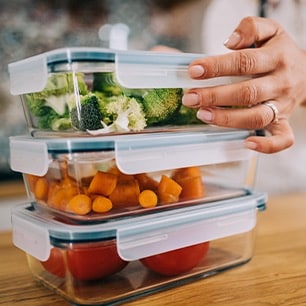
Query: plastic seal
{"x":168,"y":233}
{"x":29,"y":75}
{"x":29,"y":156}
{"x":140,"y":155}
{"x":162,"y":70}
{"x":31,"y":238}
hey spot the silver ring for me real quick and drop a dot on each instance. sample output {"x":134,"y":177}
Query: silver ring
{"x":274,"y":110}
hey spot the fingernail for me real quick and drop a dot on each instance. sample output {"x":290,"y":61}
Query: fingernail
{"x":205,"y":115}
{"x":191,"y":99}
{"x":233,"y":40}
{"x":251,"y":145}
{"x":196,"y":71}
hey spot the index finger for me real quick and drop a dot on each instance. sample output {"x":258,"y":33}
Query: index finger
{"x":250,"y":31}
{"x":243,"y":62}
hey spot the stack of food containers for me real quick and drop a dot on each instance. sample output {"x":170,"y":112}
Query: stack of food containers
{"x":128,"y":193}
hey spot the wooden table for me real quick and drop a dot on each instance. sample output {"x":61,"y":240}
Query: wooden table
{"x":275,"y":276}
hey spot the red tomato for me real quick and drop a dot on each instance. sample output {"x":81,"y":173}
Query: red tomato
{"x":55,"y":264}
{"x":89,"y":262}
{"x":177,"y":261}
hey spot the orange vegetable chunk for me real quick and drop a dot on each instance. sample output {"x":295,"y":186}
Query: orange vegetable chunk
{"x":60,"y":196}
{"x":183,"y":173}
{"x":190,"y":179}
{"x":168,"y":190}
{"x":103,"y":183}
{"x":102,"y":204}
{"x":148,"y":198}
{"x":126,"y":193}
{"x":41,"y":189}
{"x":193,"y":188}
{"x":32,"y":179}
{"x":80,"y":204}
{"x":146,"y":182}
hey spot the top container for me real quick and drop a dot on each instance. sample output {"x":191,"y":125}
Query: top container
{"x":95,"y":91}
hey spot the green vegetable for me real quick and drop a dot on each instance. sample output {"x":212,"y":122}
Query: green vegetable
{"x":61,"y":124}
{"x":103,"y":106}
{"x":105,"y":82}
{"x":122,"y":112}
{"x":86,"y":115}
{"x":185,"y":116}
{"x":51,"y":119}
{"x":50,"y":105}
{"x":161,"y":104}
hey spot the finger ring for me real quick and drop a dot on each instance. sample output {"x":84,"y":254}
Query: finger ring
{"x":274,"y":110}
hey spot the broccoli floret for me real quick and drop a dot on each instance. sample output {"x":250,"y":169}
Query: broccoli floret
{"x":137,"y":93}
{"x":57,"y":84}
{"x":127,"y":113}
{"x":51,"y":104}
{"x":52,"y":120}
{"x":40,"y":106}
{"x":61,"y":124}
{"x":105,"y":82}
{"x":161,"y":104}
{"x":58,"y":89}
{"x":76,"y":83}
{"x":104,"y":100}
{"x":36,"y":107}
{"x":186,"y":115}
{"x":123,"y":113}
{"x":45,"y":120}
{"x":86,"y":115}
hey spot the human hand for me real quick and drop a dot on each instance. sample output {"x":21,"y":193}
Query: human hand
{"x":277,"y":70}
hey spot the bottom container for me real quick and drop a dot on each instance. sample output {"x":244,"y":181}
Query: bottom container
{"x":112,"y":262}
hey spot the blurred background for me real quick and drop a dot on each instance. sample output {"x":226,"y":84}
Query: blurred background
{"x":29,"y":27}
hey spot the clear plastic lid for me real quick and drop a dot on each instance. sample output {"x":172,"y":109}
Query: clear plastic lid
{"x":143,"y":235}
{"x":137,"y":153}
{"x":133,"y":69}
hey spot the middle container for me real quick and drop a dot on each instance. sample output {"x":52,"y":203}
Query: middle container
{"x":94,"y":179}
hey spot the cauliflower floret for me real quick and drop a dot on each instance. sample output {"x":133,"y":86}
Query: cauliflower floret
{"x":126,"y":113}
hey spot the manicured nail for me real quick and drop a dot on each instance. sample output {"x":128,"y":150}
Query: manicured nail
{"x":233,"y":40}
{"x":251,"y":145}
{"x":191,"y":99}
{"x":205,"y":115}
{"x":196,"y":71}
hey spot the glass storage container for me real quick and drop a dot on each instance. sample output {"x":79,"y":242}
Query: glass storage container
{"x":89,"y":179}
{"x":96,"y":91}
{"x":116,"y":261}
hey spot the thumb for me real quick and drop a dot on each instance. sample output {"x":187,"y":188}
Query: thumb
{"x":281,"y":138}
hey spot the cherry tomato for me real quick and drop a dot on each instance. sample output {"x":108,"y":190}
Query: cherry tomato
{"x":55,"y":264}
{"x":98,"y":260}
{"x":177,"y":261}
